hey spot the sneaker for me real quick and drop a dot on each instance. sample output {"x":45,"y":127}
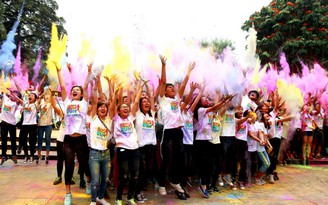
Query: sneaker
{"x":177,"y":187}
{"x":88,"y":188}
{"x":143,"y":196}
{"x":25,"y":159}
{"x":31,"y":159}
{"x":262,"y":181}
{"x":214,"y":189}
{"x":258,"y":182}
{"x":58,"y":180}
{"x":241,"y":185}
{"x":227,"y":179}
{"x":68,"y":199}
{"x":101,"y":201}
{"x":130,"y":202}
{"x":3,"y":159}
{"x":118,"y":202}
{"x":162,"y":191}
{"x":248,"y":185}
{"x":180,"y":195}
{"x":186,"y":192}
{"x":271,"y":179}
{"x":47,"y":161}
{"x":221,"y":181}
{"x":37,"y":159}
{"x":93,"y":203}
{"x":14,"y":159}
{"x":204,"y":192}
{"x":234,"y":186}
{"x":82,"y":184}
{"x":138,"y":198}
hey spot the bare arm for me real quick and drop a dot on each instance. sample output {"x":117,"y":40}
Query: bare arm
{"x":151,"y":97}
{"x":185,"y":80}
{"x":163,"y":77}
{"x":94,"y":98}
{"x":39,"y":89}
{"x":199,"y":96}
{"x":136,"y":102}
{"x":86,"y":83}
{"x":61,"y":83}
{"x":184,"y":104}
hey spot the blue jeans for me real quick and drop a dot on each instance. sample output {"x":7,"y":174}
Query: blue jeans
{"x":265,"y":161}
{"x":99,"y":162}
{"x":47,"y":130}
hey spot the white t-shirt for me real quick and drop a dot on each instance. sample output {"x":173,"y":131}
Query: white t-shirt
{"x":278,"y":131}
{"x":8,"y":110}
{"x":88,"y":121}
{"x":62,"y":130}
{"x":216,"y":129}
{"x":205,"y":124}
{"x":99,"y":134}
{"x":241,"y":131}
{"x":124,"y":133}
{"x":29,"y":112}
{"x":188,"y":128}
{"x":171,"y":114}
{"x":75,"y":116}
{"x":145,"y":127}
{"x":251,"y":143}
{"x":261,"y":148}
{"x":307,"y":122}
{"x":229,"y":124}
{"x":318,"y":119}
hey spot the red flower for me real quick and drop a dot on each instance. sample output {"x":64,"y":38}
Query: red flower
{"x":291,"y":4}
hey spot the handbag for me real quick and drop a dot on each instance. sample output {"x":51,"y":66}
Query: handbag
{"x":111,"y":142}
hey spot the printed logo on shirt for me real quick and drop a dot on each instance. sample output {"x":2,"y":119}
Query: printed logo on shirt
{"x":126,"y":127}
{"x":189,"y":125}
{"x":174,"y":106}
{"x":27,"y":110}
{"x":73,"y":110}
{"x":43,"y":110}
{"x":88,"y":124}
{"x":7,"y":108}
{"x":148,"y":124}
{"x":229,"y":118}
{"x":102,"y":133}
{"x":242,"y":129}
{"x":216,"y":126}
{"x":210,"y":118}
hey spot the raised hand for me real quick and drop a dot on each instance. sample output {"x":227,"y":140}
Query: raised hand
{"x":163,"y":59}
{"x":191,"y":66}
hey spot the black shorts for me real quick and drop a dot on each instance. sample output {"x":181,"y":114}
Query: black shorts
{"x":308,"y":133}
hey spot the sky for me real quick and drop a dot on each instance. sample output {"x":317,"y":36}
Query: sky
{"x":158,"y":22}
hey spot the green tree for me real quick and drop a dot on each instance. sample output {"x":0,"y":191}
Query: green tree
{"x":34,"y":29}
{"x":299,"y":28}
{"x":218,"y":45}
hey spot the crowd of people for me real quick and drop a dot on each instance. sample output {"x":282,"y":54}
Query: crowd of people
{"x":160,"y":135}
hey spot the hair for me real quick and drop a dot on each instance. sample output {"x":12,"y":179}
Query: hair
{"x":168,"y":84}
{"x":254,"y":91}
{"x":119,"y":106}
{"x":101,"y":103}
{"x":18,"y":94}
{"x":140,"y":101}
{"x":266,"y":124}
{"x":81,"y":89}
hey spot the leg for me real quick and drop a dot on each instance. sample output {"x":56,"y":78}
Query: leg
{"x":94,"y":163}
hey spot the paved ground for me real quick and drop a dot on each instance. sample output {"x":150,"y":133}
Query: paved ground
{"x":32,"y":184}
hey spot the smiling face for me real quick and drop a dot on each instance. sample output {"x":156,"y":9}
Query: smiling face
{"x":205,"y":101}
{"x":102,"y":109}
{"x":144,"y":105}
{"x":76,"y":93}
{"x":124,"y":111}
{"x":239,"y":112}
{"x":31,"y":98}
{"x":170,"y":91}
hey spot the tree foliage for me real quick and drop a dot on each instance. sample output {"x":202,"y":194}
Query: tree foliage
{"x":299,"y":28}
{"x":218,"y":45}
{"x":34,"y":29}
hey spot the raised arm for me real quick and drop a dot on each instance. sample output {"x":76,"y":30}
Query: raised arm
{"x":185,"y":80}
{"x":94,"y":98}
{"x":219,"y":105}
{"x":57,"y":109}
{"x":61,"y":82}
{"x":163,"y":77}
{"x":184,"y":104}
{"x":39,"y":88}
{"x":199,"y":96}
{"x":86,"y":83}
{"x":135,"y":106}
{"x":151,"y":97}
